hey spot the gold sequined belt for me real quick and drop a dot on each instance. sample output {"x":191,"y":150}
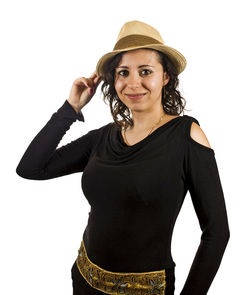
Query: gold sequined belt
{"x":143,"y":283}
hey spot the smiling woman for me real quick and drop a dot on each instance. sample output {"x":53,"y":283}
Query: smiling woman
{"x":136,"y":181}
{"x":138,"y":81}
{"x":159,"y":82}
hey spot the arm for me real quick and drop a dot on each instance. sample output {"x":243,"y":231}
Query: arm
{"x":203,"y":182}
{"x":43,"y":161}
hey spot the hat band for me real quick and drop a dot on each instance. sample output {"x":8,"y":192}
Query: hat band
{"x":134,"y":41}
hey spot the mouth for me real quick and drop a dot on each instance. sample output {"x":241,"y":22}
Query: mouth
{"x":135,"y":95}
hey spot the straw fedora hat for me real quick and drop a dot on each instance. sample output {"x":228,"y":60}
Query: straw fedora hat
{"x":135,"y":35}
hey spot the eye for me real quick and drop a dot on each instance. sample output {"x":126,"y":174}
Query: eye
{"x":148,"y":71}
{"x":125,"y":72}
{"x":120,"y":72}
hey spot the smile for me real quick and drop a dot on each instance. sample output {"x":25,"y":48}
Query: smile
{"x":135,"y":96}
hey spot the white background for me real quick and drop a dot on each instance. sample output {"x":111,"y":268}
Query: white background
{"x":45,"y":45}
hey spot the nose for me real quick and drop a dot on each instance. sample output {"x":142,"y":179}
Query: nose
{"x":133,"y":80}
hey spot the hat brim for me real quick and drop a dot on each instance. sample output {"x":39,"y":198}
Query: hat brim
{"x":176,"y":57}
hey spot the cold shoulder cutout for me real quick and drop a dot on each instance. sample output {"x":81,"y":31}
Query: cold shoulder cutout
{"x":198,"y":135}
{"x":191,"y":140}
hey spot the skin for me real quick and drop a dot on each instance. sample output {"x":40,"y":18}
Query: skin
{"x":198,"y":135}
{"x":150,"y":80}
{"x":132,"y":78}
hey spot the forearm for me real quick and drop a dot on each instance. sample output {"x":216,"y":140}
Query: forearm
{"x":44,"y":144}
{"x":206,"y":263}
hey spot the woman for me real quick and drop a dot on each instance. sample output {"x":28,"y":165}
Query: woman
{"x":136,"y":172}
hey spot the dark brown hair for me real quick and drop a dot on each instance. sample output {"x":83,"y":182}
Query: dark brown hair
{"x":172,"y":101}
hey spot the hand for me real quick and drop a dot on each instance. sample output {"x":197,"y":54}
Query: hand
{"x":82,"y":91}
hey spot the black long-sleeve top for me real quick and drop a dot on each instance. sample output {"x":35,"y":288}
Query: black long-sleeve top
{"x":136,"y":193}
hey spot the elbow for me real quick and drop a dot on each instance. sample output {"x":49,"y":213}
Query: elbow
{"x":223,"y":238}
{"x":218,"y":235}
{"x":28,"y":174}
{"x":225,"y":232}
{"x":227,"y":235}
{"x":224,"y":235}
{"x":22,"y":173}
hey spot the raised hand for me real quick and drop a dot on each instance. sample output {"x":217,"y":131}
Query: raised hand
{"x":82,"y":91}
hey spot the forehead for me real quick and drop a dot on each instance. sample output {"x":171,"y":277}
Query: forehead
{"x":138,"y":57}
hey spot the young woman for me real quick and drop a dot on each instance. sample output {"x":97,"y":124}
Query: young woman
{"x":136,"y":172}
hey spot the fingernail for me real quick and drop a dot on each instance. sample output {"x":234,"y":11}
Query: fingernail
{"x":91,"y":91}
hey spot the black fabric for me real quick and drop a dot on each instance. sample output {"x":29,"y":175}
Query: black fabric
{"x":136,"y":192}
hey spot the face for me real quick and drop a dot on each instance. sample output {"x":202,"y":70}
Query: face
{"x":139,"y":72}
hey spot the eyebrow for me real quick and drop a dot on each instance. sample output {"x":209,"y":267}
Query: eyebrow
{"x":125,"y":67}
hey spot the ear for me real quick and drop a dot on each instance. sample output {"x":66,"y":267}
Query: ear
{"x":165,"y":78}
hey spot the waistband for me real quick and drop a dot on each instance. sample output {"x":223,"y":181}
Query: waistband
{"x":139,"y":283}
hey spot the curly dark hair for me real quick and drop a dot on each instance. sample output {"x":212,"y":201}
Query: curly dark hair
{"x":172,"y":101}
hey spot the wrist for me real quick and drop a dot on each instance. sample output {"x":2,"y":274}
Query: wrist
{"x":76,"y":108}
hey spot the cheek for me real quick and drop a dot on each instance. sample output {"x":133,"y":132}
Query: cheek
{"x":154,"y":85}
{"x":118,"y":85}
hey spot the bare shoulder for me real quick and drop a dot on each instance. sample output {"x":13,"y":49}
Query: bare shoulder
{"x":198,"y":135}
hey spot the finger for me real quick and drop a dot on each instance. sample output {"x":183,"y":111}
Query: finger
{"x":80,"y":81}
{"x":90,"y":83}
{"x":95,"y":77}
{"x":97,"y":80}
{"x":93,"y":83}
{"x":86,"y":82}
{"x":94,"y":74}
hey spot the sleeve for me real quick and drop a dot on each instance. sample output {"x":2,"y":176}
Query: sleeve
{"x":43,"y":160}
{"x":204,"y":185}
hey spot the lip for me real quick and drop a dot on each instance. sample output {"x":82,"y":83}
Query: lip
{"x":135,"y":96}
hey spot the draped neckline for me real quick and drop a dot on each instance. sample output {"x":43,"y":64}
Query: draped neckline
{"x":148,"y":137}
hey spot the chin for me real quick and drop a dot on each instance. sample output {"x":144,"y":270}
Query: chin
{"x":138,"y":108}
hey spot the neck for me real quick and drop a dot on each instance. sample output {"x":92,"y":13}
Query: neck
{"x":146,"y":120}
